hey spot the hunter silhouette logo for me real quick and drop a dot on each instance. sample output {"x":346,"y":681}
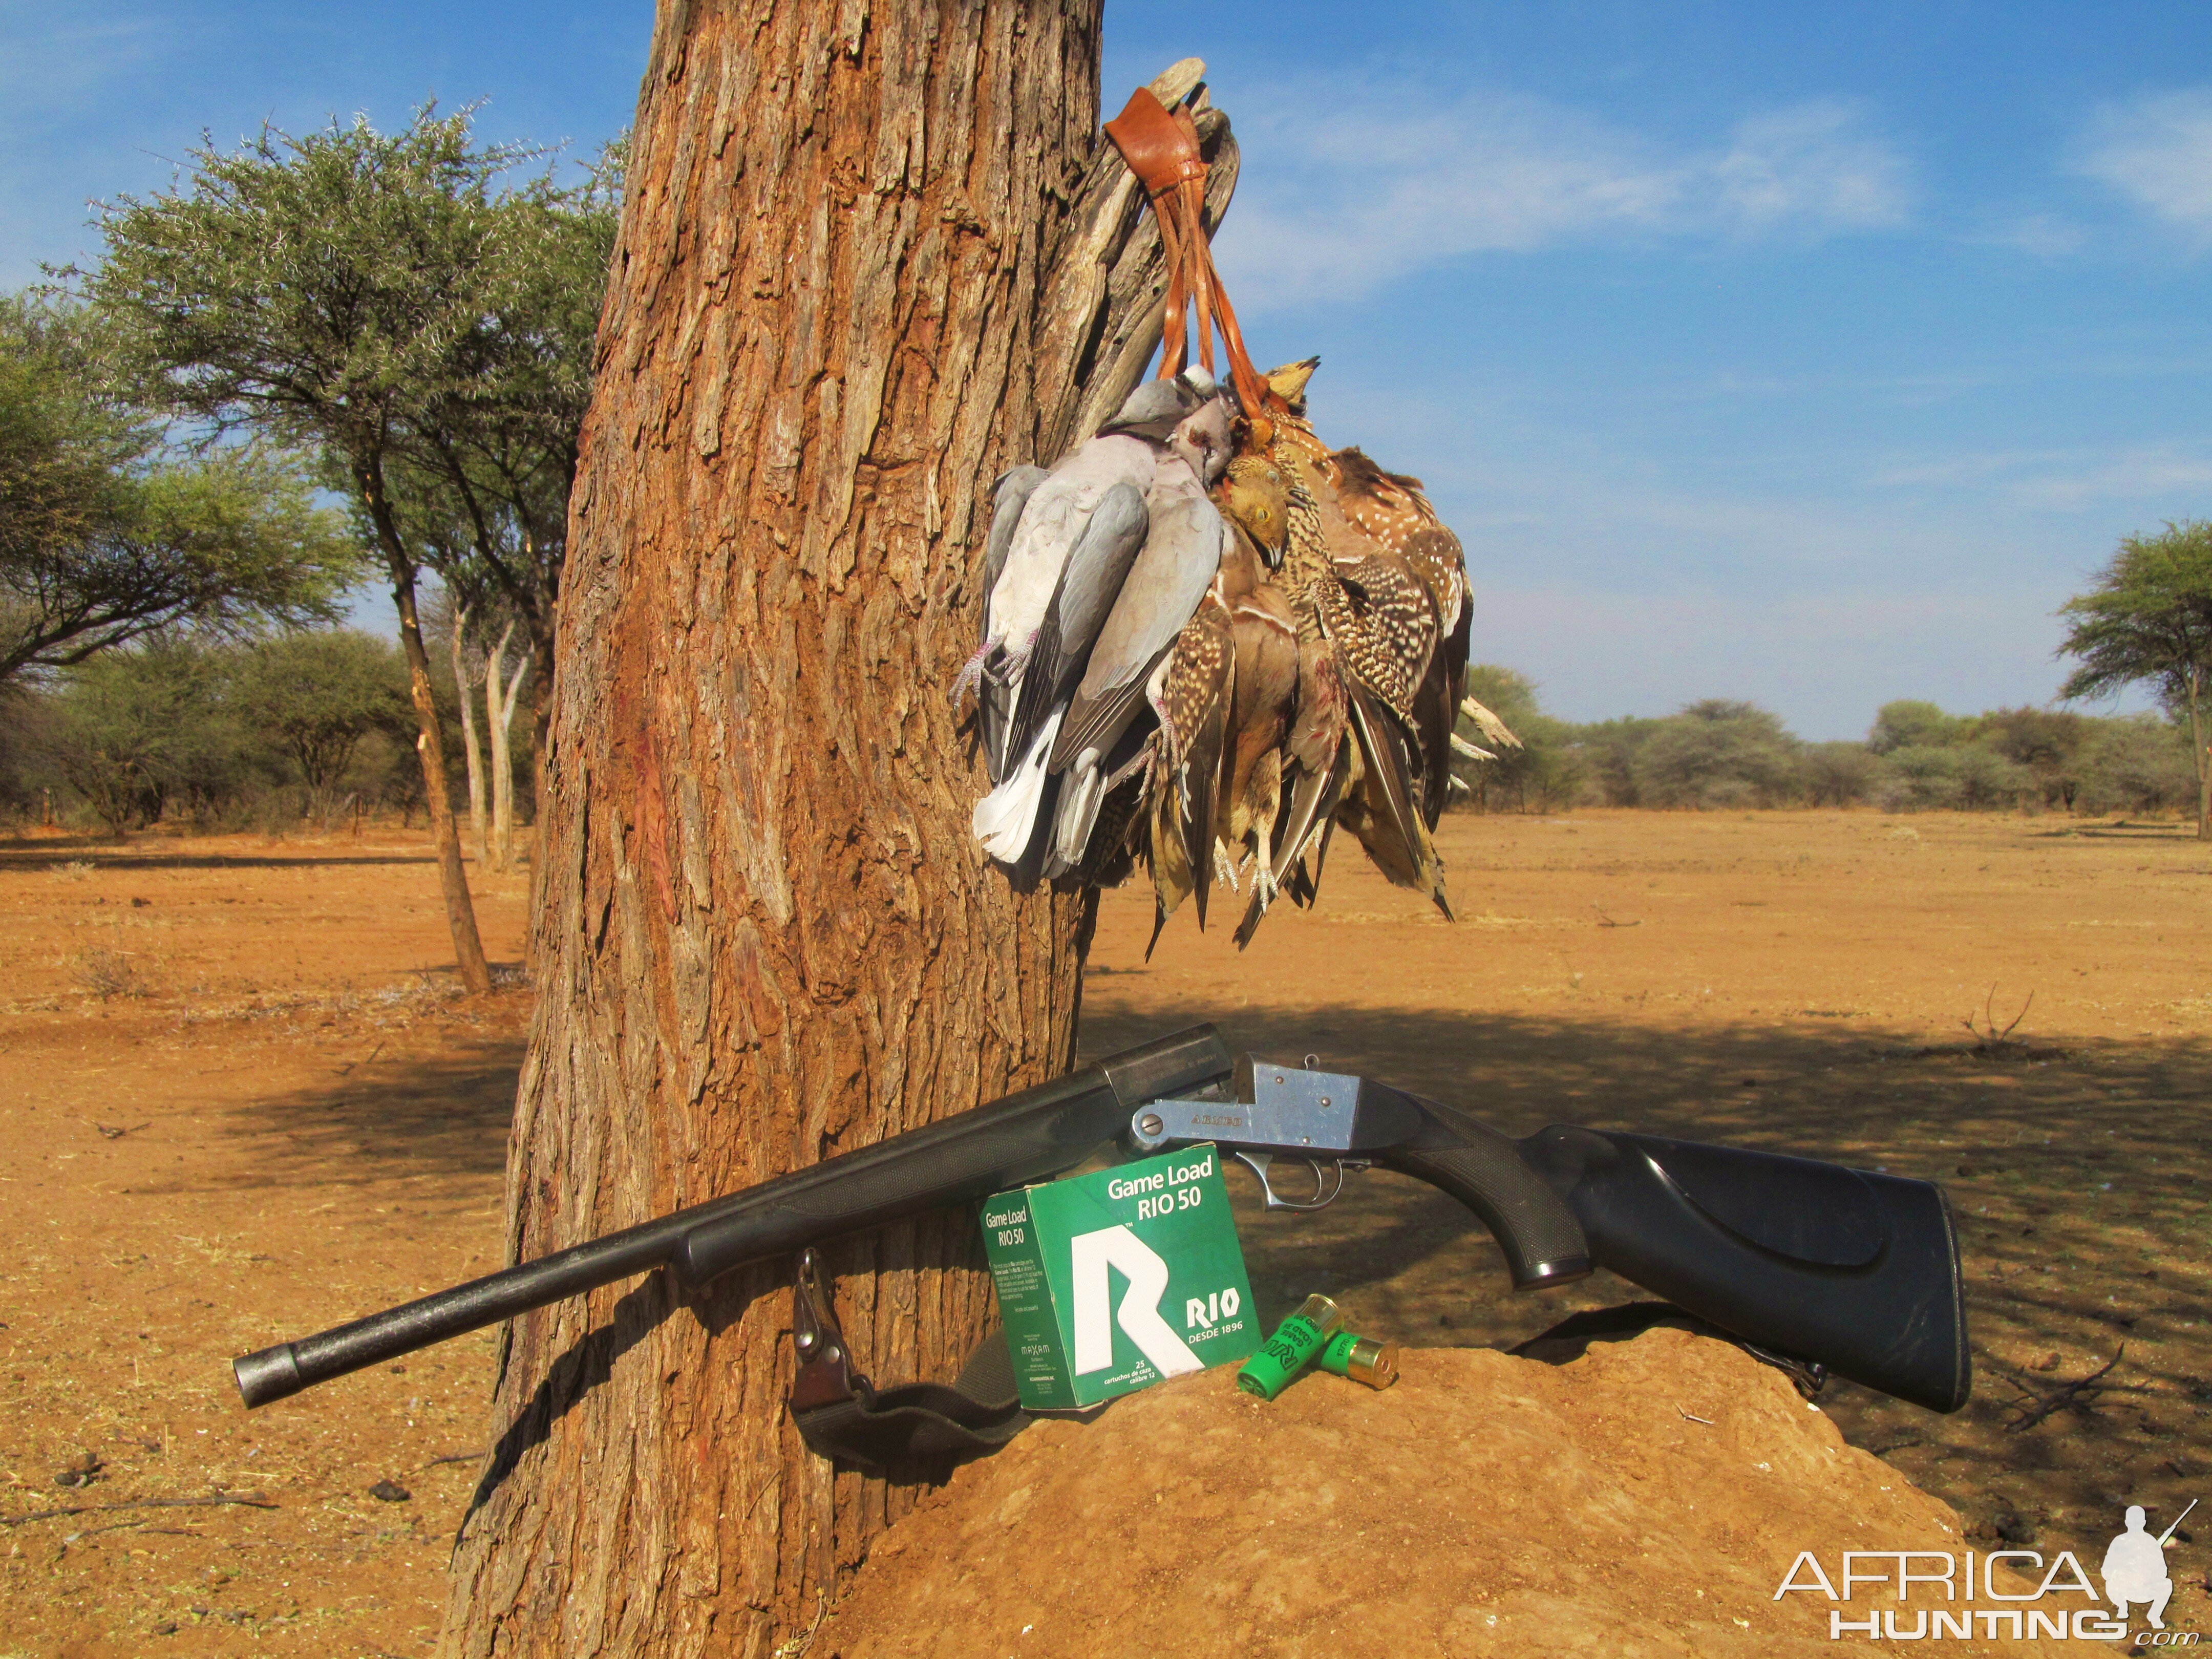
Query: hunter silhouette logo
{"x":2135,"y":1567}
{"x":2133,"y":1570}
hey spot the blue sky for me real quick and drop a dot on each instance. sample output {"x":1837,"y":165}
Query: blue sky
{"x":1810,"y":356}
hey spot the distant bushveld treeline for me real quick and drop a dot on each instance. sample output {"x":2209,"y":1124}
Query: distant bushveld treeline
{"x":1719,"y":753}
{"x":295,"y":730}
{"x":302,"y":728}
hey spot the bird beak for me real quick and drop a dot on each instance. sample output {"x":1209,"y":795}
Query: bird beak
{"x":1289,"y":382}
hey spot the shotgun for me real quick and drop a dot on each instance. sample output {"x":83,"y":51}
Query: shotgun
{"x":1849,"y":1269}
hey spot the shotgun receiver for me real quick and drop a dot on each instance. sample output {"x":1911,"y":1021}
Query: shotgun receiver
{"x":1845,"y":1268}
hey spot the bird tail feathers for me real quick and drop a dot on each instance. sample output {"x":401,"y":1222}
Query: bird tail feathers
{"x":1005,"y":819}
{"x":1079,"y":798}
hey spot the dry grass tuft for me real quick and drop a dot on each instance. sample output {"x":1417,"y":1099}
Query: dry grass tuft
{"x":110,"y":973}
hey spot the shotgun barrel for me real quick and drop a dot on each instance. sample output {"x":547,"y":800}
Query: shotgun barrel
{"x":1028,"y":1136}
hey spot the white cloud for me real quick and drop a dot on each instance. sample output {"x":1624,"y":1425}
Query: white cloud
{"x":1355,"y":194}
{"x":2046,"y":235}
{"x":2068,"y":480}
{"x":49,"y":61}
{"x":2157,"y":151}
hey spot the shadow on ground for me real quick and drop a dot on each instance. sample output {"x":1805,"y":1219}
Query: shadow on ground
{"x":2073,"y":1173}
{"x":50,"y":856}
{"x":443,"y":1115}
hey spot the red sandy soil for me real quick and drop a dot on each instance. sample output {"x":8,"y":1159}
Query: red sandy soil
{"x":1648,"y":1499}
{"x":250,"y":1105}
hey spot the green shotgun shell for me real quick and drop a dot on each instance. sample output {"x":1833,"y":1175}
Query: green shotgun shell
{"x":1296,"y":1341}
{"x":1362,"y":1359}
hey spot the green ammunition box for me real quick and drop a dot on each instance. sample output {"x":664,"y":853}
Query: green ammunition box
{"x":1110,"y":1281}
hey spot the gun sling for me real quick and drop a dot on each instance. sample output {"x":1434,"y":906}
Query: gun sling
{"x":927,"y":1427}
{"x":920,"y":1427}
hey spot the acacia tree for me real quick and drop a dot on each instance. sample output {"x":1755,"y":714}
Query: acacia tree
{"x":314,"y":698}
{"x":496,"y":459}
{"x":2149,"y":620}
{"x":868,"y":259}
{"x":327,"y":291}
{"x":109,"y":532}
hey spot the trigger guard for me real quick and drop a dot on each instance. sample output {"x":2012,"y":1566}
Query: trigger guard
{"x":1325,"y":1193}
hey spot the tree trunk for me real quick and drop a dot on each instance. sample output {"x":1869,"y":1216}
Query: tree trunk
{"x":839,"y":308}
{"x":2202,"y":758}
{"x":431,"y":748}
{"x":468,"y":729}
{"x":430,"y":741}
{"x":499,"y":713}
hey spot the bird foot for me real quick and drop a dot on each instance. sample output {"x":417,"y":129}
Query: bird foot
{"x":1263,"y":884}
{"x":969,"y":682}
{"x":1224,"y":867}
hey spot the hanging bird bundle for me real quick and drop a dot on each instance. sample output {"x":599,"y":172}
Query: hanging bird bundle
{"x":1208,"y":638}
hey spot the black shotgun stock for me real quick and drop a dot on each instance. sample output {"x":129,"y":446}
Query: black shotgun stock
{"x":1030,"y":1136}
{"x":1855,"y":1271}
{"x":1848,"y":1268}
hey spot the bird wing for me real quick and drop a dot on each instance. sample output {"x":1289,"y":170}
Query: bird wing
{"x":1265,"y":706}
{"x":1440,"y":561}
{"x":1170,"y":859}
{"x":1391,"y":827}
{"x":1089,"y":583}
{"x":1392,"y":508}
{"x":1195,"y":696}
{"x":1168,"y":577}
{"x":994,"y":695}
{"x":1010,"y":495}
{"x":1302,"y":834}
{"x":1050,"y":525}
{"x":1380,"y":616}
{"x":1435,"y":713}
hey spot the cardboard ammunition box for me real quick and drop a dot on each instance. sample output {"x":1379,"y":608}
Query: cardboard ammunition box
{"x":1110,"y":1281}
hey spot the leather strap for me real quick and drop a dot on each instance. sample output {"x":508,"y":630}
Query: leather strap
{"x":918,"y":1429}
{"x":1161,"y":148}
{"x":1162,"y":151}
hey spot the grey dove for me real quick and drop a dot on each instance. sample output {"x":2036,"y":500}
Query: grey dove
{"x":1063,"y":546}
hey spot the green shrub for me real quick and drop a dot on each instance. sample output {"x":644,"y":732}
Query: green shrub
{"x":1544,"y":773}
{"x":1717,"y":753}
{"x":2137,"y":763}
{"x":312,"y":698}
{"x":1841,"y":773}
{"x":136,"y":731}
{"x":1911,"y":724}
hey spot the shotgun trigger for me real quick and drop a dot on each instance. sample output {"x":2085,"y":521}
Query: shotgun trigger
{"x":1329,"y":1181}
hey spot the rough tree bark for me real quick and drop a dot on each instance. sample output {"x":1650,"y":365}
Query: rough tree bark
{"x":842,"y":302}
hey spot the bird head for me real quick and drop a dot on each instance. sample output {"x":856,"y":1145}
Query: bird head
{"x":1202,"y":439}
{"x":1289,"y":382}
{"x":1159,"y":406}
{"x":1253,"y":494}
